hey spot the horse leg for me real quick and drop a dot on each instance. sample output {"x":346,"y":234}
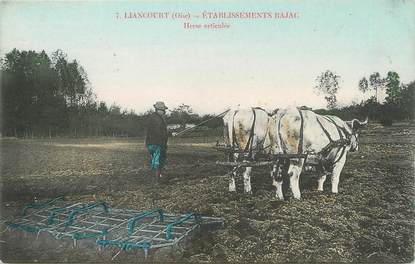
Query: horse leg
{"x":321,"y":181}
{"x":276,"y":175}
{"x":247,"y":180}
{"x":322,"y":177}
{"x":232,"y":185}
{"x":294,"y":172}
{"x":233,"y":173}
{"x":337,"y":169}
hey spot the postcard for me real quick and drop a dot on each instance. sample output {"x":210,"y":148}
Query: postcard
{"x":207,"y":131}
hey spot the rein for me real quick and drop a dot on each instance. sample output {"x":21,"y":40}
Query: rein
{"x":201,"y":123}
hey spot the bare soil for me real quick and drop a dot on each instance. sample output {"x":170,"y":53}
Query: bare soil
{"x":370,"y":220}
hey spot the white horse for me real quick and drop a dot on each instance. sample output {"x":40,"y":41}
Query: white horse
{"x":325,"y":139}
{"x":246,"y":133}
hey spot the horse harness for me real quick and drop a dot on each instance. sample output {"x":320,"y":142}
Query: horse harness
{"x":249,"y":144}
{"x":342,"y":142}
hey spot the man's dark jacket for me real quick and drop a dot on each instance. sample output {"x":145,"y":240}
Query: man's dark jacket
{"x":156,"y":130}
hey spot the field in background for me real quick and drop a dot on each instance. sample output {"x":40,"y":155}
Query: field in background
{"x":371,"y":219}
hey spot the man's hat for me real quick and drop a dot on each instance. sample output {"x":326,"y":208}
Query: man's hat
{"x":160,"y":105}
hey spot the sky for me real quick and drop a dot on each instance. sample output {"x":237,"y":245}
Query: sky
{"x":134,"y":62}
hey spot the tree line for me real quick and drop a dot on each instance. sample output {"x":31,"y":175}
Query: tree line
{"x":398,"y":104}
{"x":48,"y":96}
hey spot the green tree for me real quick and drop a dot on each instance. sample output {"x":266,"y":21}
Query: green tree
{"x":328,"y":85}
{"x":393,"y":88}
{"x":408,"y":100}
{"x":183,"y":114}
{"x":72,"y":78}
{"x":363,"y":85}
{"x":31,"y":103}
{"x":375,"y":84}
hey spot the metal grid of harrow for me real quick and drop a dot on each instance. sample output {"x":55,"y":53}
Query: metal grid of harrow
{"x":123,"y":228}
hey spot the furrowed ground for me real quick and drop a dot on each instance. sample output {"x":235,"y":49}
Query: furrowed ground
{"x":370,"y":220}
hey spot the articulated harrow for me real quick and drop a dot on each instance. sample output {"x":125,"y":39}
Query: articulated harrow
{"x":122,"y":228}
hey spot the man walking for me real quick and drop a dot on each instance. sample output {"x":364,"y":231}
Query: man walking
{"x":156,"y":138}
